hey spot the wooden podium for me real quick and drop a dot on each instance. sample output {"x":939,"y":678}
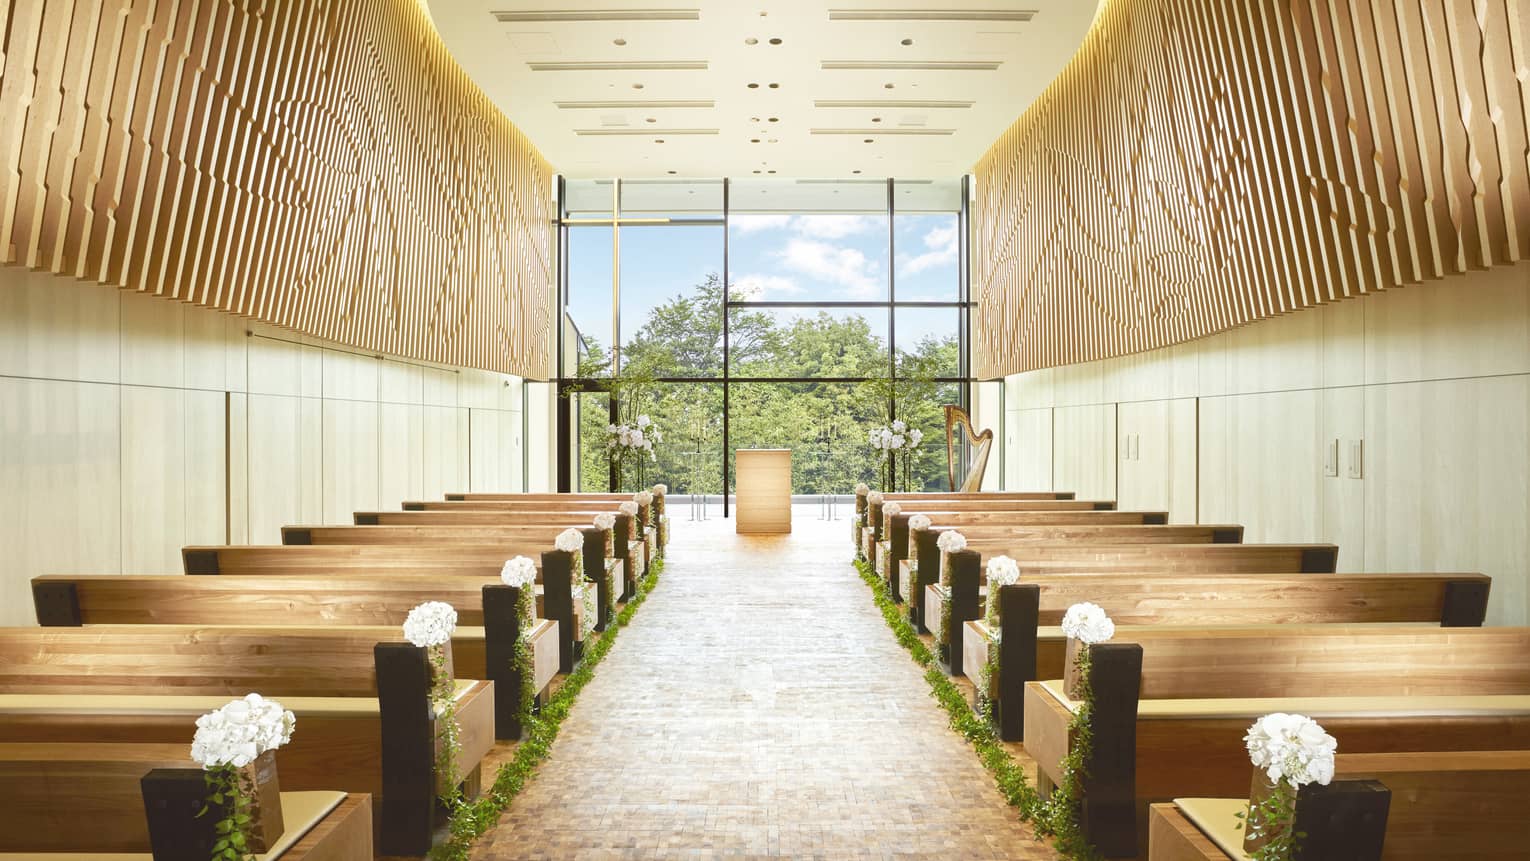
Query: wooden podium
{"x":764,"y":494}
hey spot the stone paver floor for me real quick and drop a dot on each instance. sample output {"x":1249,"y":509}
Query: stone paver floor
{"x":758,"y":706}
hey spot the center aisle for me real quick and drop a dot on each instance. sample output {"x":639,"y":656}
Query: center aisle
{"x":759,"y":705}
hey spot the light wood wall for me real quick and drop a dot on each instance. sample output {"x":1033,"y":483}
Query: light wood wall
{"x":1201,"y":165}
{"x":323,"y":167}
{"x":131,"y":426}
{"x":1431,"y":382}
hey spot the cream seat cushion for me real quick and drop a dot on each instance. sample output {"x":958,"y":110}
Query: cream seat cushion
{"x":196,"y":704}
{"x":1506,"y":705}
{"x":1217,"y":818}
{"x":301,"y":812}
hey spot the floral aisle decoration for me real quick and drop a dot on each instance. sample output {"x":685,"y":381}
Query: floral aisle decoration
{"x":660,"y":517}
{"x":630,"y":448}
{"x":1288,"y":751}
{"x":644,"y":500}
{"x":884,"y":550}
{"x":949,"y":542}
{"x":430,"y":626}
{"x":895,"y":445}
{"x":917,"y":523}
{"x":605,"y":523}
{"x":861,"y":507}
{"x":1002,"y":571}
{"x":1086,"y":625}
{"x":521,"y":573}
{"x":571,"y":541}
{"x":236,"y":747}
{"x":874,"y":500}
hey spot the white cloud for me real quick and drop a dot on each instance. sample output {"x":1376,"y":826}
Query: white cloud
{"x":833,"y":226}
{"x":835,"y":264}
{"x":942,"y":244}
{"x":757,"y":288}
{"x":756,"y":223}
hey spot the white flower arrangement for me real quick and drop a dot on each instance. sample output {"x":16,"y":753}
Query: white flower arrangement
{"x":642,"y":497}
{"x":519,"y":572}
{"x":240,"y":731}
{"x":1088,"y":624}
{"x":891,"y":508}
{"x":875,"y":497}
{"x":861,"y":489}
{"x":661,"y":490}
{"x":430,"y":624}
{"x":569,"y":540}
{"x":951,"y":541}
{"x":1002,"y":571}
{"x":605,"y":522}
{"x":919,"y":522}
{"x":628,"y":508}
{"x":638,"y":438}
{"x":1293,"y":748}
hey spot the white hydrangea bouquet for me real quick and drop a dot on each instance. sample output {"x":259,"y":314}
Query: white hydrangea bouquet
{"x":949,"y":542}
{"x":1085,"y":624}
{"x":430,"y":626}
{"x":632,"y":445}
{"x":521,"y":573}
{"x":916,"y":524}
{"x":1002,"y":571}
{"x":1288,"y":751}
{"x":895,"y":445}
{"x":236,"y":747}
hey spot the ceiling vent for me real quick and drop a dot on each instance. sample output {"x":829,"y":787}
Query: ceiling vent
{"x":622,"y":66}
{"x":609,"y":120}
{"x":912,"y":121}
{"x":912,"y":65}
{"x":931,"y":14}
{"x":581,"y":16}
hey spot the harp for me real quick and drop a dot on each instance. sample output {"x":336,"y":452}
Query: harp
{"x":959,"y":432}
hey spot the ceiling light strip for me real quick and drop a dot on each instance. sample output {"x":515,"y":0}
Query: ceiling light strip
{"x":931,"y":14}
{"x":622,"y":66}
{"x":579,"y":16}
{"x":912,"y":65}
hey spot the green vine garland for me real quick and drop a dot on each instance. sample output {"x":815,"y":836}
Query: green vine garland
{"x":1274,"y":819}
{"x":448,"y":731}
{"x":525,"y":611}
{"x":229,"y":788}
{"x":469,"y":820}
{"x":1057,"y":816}
{"x":979,"y":731}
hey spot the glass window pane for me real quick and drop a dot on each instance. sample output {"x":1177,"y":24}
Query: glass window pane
{"x":589,"y":297}
{"x":593,"y":412}
{"x":824,"y":424}
{"x":808,"y":240}
{"x":672,"y":198}
{"x":588,"y":198}
{"x":808,"y":342}
{"x":689,"y":458}
{"x":927,"y":341}
{"x":927,"y":241}
{"x":671,"y":296}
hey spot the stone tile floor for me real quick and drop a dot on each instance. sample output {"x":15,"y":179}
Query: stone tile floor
{"x":758,"y":706}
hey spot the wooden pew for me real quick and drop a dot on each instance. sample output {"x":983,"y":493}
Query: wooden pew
{"x":871,"y":532}
{"x":1035,"y":644}
{"x":360,"y":696}
{"x":1457,"y":804}
{"x":91,"y":799}
{"x":660,"y":519}
{"x":600,"y":566}
{"x":524,"y":511}
{"x":1171,"y":707}
{"x":432,"y":560}
{"x":487,"y":624}
{"x":1063,"y":557}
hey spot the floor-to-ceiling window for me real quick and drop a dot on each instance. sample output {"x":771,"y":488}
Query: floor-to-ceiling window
{"x":845,"y":307}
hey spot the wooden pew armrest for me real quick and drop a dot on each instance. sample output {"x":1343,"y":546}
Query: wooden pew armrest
{"x":1173,"y":837}
{"x":1217,"y":819}
{"x":1046,"y":728}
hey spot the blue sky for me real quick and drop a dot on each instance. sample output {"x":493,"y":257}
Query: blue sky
{"x":777,"y":258}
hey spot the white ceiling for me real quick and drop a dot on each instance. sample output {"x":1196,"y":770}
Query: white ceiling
{"x":556,"y":69}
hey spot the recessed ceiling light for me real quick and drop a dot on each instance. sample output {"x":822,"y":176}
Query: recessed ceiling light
{"x":906,"y":42}
{"x":754,"y":140}
{"x":654,"y":120}
{"x":751,"y":41}
{"x":618,"y":42}
{"x":887,"y":86}
{"x":775,"y":86}
{"x":775,"y":119}
{"x":773,"y":140}
{"x":661,"y":140}
{"x":876,"y":119}
{"x":754,"y":119}
{"x":671,"y":173}
{"x":867,"y":140}
{"x":756,"y":171}
{"x":754,"y":86}
{"x":775,"y":41}
{"x":770,"y":171}
{"x":637,"y":86}
{"x":855,"y":171}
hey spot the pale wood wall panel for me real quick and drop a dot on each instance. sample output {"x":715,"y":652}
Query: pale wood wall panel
{"x":1200,"y":165}
{"x":1084,"y":450}
{"x":322,"y":166}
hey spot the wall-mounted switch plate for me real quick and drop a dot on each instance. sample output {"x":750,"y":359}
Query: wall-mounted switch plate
{"x":1356,"y":459}
{"x":1136,"y":446}
{"x":1331,"y":458}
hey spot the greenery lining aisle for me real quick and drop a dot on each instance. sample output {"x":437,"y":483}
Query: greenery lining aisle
{"x":471,"y":819}
{"x":1056,"y":817}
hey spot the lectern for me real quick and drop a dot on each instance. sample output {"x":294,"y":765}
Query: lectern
{"x":764,"y":495}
